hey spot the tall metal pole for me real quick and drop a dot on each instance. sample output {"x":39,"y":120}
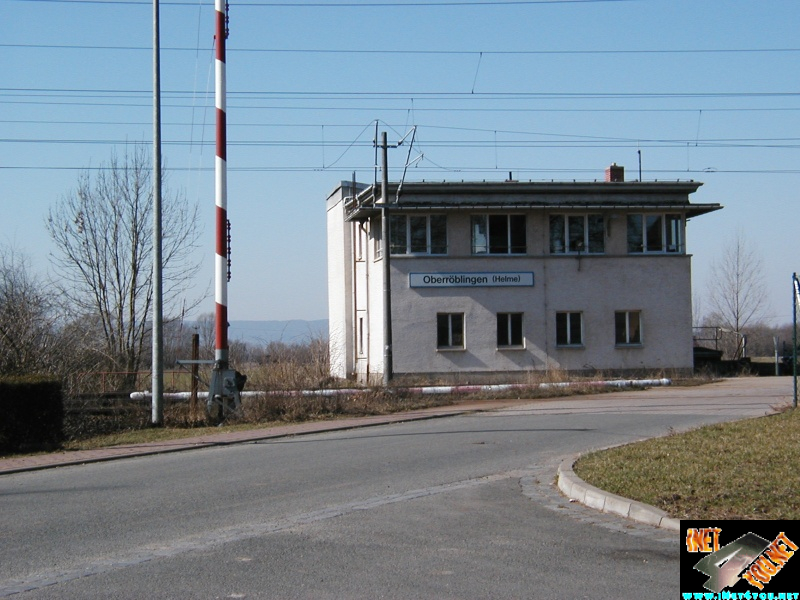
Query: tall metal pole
{"x":225,"y":382}
{"x":195,"y":374}
{"x":387,"y":274}
{"x":795,"y":300}
{"x":157,"y":402}
{"x":221,"y":196}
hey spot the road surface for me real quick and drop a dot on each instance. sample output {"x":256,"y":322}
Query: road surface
{"x":459,"y":507}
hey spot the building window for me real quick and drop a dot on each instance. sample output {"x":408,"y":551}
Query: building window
{"x":655,"y":233}
{"x":498,"y":234}
{"x":377,"y":241}
{"x":449,"y":331}
{"x":628,"y":327}
{"x":359,"y":241}
{"x":569,"y":329}
{"x":509,"y":330}
{"x":573,"y":234}
{"x":426,"y":234}
{"x":361,"y":346}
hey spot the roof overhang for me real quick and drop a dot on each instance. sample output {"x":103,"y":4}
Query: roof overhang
{"x":544,"y":196}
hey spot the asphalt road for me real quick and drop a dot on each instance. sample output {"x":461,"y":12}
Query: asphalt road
{"x":460,"y":507}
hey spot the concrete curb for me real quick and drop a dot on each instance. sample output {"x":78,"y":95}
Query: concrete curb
{"x":577,"y":489}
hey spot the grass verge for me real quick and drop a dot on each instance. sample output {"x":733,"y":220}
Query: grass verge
{"x":153,"y":434}
{"x":262,"y":413}
{"x":741,"y":470}
{"x":123,"y":422}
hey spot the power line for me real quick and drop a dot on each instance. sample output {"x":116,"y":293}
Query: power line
{"x":414,"y":52}
{"x":252,"y":125}
{"x":383,"y":95}
{"x":444,"y":3}
{"x":500,"y":171}
{"x":404,"y":110}
{"x":574,"y":142}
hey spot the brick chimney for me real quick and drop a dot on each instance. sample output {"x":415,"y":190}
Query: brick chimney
{"x":615,"y":173}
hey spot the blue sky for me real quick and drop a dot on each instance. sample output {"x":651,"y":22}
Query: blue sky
{"x":707,"y":90}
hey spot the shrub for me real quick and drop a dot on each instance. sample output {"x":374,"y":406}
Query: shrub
{"x":33,"y":414}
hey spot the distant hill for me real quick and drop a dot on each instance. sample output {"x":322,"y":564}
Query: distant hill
{"x":290,"y":332}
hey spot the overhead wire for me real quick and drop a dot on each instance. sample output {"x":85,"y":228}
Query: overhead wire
{"x":438,"y":169}
{"x":416,"y":4}
{"x":463,"y":101}
{"x":385,"y":51}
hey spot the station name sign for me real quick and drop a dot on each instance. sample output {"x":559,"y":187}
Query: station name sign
{"x":428,"y":280}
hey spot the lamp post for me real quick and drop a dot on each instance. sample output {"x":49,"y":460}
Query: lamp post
{"x":387,"y":273}
{"x":157,"y":402}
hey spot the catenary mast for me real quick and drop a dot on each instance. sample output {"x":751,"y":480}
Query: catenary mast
{"x":221,"y":194}
{"x":224,"y":393}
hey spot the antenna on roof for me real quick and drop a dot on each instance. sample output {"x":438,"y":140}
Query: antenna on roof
{"x":639,"y":152}
{"x":375,"y":179}
{"x":413,"y":133}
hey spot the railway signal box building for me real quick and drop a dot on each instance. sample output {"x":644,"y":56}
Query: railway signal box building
{"x":489,"y":281}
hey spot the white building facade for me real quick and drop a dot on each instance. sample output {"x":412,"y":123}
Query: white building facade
{"x":488,"y":281}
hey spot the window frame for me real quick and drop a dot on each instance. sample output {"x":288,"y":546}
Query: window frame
{"x":631,"y":336}
{"x":512,"y":326}
{"x":410,"y":247}
{"x":570,"y":245}
{"x":376,"y":232}
{"x":570,"y":342}
{"x":450,"y":343}
{"x":668,"y":238}
{"x":361,"y":337}
{"x":516,"y":224}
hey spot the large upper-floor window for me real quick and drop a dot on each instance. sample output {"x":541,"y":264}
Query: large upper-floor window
{"x":498,"y":234}
{"x":655,"y":233}
{"x":573,"y":234}
{"x":418,"y":234}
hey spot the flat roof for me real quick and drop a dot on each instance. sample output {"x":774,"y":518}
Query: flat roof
{"x":532,"y":195}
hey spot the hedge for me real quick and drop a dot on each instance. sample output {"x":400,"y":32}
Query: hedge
{"x":31,"y":414}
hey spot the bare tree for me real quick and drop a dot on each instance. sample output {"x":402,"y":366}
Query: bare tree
{"x":29,"y":341}
{"x":103,"y":235}
{"x":205,"y":325}
{"x":737,"y":295}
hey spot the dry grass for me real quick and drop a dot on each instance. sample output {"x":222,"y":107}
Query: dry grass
{"x":293,"y":408}
{"x":741,"y":470}
{"x":149,"y":434}
{"x":129,"y":423}
{"x":115,"y":422}
{"x":109,"y":422}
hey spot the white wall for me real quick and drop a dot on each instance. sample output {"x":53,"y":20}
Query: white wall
{"x":657,"y":285}
{"x":597,"y":286}
{"x":339,"y":284}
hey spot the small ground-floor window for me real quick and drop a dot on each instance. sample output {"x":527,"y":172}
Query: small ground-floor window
{"x":569,"y":329}
{"x":361,"y":336}
{"x":449,"y":330}
{"x":509,"y":330}
{"x":627,"y":327}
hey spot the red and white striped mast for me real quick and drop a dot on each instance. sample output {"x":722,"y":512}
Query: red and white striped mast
{"x":221,"y":195}
{"x":224,"y":393}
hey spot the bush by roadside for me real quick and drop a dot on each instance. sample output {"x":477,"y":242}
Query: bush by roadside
{"x":33,"y":413}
